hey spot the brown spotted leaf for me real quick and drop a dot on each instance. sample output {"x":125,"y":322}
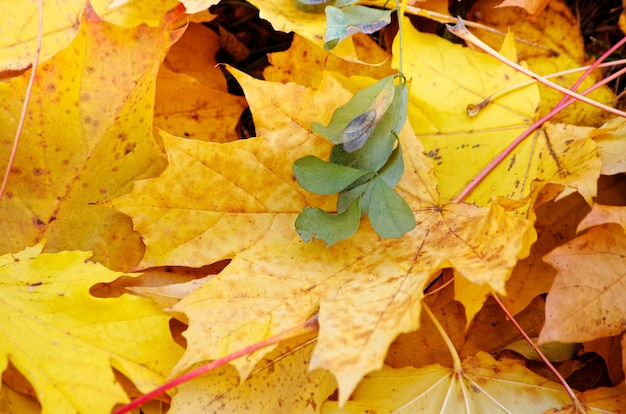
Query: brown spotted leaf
{"x":87,"y":137}
{"x":367,"y":289}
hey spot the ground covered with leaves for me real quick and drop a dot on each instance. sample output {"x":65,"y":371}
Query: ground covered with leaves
{"x":150,"y":211}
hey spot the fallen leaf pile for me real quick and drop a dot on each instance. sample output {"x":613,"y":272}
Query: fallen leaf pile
{"x":143,"y":238}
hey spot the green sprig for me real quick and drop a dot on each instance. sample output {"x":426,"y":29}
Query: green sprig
{"x":366,"y":161}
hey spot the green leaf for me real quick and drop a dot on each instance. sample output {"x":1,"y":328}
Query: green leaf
{"x":366,"y":20}
{"x":341,"y":23}
{"x":390,"y":173}
{"x":312,"y":6}
{"x":313,"y":222}
{"x":361,"y":192}
{"x":357,"y":131}
{"x":336,"y":27}
{"x":322,"y":177}
{"x":393,"y":170}
{"x":379,"y":146}
{"x":389,"y":214}
{"x":363,"y":110}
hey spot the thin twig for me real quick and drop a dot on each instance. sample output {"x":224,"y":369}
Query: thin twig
{"x":461,"y":31}
{"x":456,"y":359}
{"x":29,"y":90}
{"x":474,"y":108}
{"x":309,"y":326}
{"x":497,"y":160}
{"x":444,"y":18}
{"x":564,"y":103}
{"x":577,"y":404}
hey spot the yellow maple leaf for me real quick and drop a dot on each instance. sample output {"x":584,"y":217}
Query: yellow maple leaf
{"x":294,"y":389}
{"x":301,"y":63}
{"x":65,"y":341}
{"x":87,"y":136}
{"x":609,"y":399}
{"x":19,"y":24}
{"x":461,"y":145}
{"x":484,"y":386}
{"x":365,"y":298}
{"x":550,"y":43}
{"x":211,"y":198}
{"x":192,"y":98}
{"x":585,"y":301}
{"x":611,"y":146}
{"x":132,"y":13}
{"x":60,"y":25}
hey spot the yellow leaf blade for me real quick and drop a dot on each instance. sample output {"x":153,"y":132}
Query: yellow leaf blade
{"x":590,"y":280}
{"x":64,"y":341}
{"x":294,"y":388}
{"x":20,"y":25}
{"x":275,"y":280}
{"x":460,"y":146}
{"x":484,"y":386}
{"x":89,"y":155}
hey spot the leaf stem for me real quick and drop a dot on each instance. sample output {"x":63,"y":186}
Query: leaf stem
{"x":577,"y":404}
{"x":446,"y":18}
{"x":400,"y":39}
{"x":461,"y":31}
{"x":308,"y":326}
{"x":593,"y":66}
{"x":474,"y":108}
{"x":564,"y":103}
{"x":456,"y":360}
{"x":29,"y":90}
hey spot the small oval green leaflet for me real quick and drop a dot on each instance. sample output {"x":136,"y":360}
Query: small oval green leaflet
{"x":360,"y":128}
{"x":317,"y":223}
{"x":322,"y":177}
{"x":353,"y":122}
{"x":343,"y":20}
{"x":366,"y":160}
{"x":389,"y":214}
